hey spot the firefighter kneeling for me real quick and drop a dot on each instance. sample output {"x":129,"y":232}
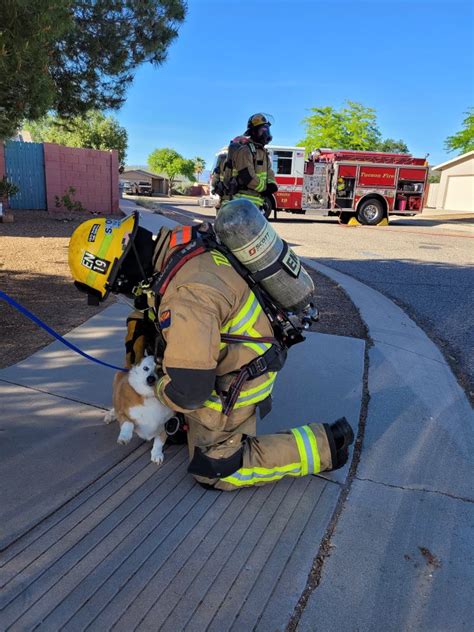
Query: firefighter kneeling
{"x":195,"y":309}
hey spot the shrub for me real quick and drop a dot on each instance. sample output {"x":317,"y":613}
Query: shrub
{"x":7,"y":188}
{"x":68,"y":202}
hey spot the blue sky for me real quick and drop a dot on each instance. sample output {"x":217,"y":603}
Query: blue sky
{"x":411,"y":60}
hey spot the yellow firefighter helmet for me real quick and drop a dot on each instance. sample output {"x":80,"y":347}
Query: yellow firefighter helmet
{"x":96,"y":250}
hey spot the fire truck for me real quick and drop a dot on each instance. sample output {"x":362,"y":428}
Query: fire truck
{"x":369,"y":186}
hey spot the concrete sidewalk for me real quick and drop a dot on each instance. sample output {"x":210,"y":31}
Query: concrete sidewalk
{"x":95,"y":536}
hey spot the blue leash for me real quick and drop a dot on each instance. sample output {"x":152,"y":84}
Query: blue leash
{"x":55,"y":334}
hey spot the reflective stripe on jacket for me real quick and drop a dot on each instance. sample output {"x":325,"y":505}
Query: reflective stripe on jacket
{"x":243,"y":324}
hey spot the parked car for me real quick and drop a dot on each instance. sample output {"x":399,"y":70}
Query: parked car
{"x":137,"y":188}
{"x":142,"y":188}
{"x":127,"y":187}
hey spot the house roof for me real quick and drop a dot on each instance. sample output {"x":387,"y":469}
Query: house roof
{"x":449,"y":163}
{"x":137,"y":168}
{"x":149,"y":174}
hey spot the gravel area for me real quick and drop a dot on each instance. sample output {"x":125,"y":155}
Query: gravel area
{"x":337,"y":313}
{"x":34,"y":271}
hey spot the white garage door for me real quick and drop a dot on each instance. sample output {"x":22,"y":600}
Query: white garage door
{"x":460,"y":193}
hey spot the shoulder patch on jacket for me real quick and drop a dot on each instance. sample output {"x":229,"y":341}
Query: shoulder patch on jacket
{"x":219,"y":258}
{"x":165,"y":319}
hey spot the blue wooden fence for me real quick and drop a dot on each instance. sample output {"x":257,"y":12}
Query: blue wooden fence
{"x":24,"y":166}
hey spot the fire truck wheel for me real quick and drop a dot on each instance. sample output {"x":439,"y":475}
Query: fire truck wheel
{"x":371,"y":212}
{"x":267,"y":208}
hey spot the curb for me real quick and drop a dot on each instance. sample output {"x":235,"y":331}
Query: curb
{"x":403,"y":358}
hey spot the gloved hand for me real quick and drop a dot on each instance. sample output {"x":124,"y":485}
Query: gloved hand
{"x":271,"y":188}
{"x":177,"y":429}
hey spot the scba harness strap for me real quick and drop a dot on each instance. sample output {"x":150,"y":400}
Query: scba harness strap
{"x":194,"y":241}
{"x":271,"y":360}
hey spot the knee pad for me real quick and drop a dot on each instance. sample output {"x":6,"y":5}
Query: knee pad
{"x":206,"y":466}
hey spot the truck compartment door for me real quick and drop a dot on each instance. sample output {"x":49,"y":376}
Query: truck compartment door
{"x":316,"y":188}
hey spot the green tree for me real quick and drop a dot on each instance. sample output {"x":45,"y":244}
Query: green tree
{"x":391,"y":146}
{"x":172,"y":164}
{"x":71,"y":56}
{"x":28,"y":32}
{"x":354,"y":126}
{"x":463,"y":141}
{"x":93,"y":130}
{"x":199,"y":166}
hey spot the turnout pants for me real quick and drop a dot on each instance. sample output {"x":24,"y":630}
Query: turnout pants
{"x":231,"y":448}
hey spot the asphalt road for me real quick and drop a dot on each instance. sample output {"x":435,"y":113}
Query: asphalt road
{"x":424,"y":264}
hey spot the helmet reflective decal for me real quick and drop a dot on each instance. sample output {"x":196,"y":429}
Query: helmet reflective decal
{"x":93,"y":233}
{"x":110,"y":224}
{"x":96,"y":264}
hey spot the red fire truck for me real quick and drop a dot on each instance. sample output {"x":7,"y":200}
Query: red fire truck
{"x":367,"y":185}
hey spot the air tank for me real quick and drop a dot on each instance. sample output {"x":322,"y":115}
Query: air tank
{"x":252,"y":239}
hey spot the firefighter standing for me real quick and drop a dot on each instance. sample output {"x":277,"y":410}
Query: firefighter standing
{"x":204,"y":300}
{"x":247,"y":172}
{"x":217,"y":176}
{"x":341,"y":187}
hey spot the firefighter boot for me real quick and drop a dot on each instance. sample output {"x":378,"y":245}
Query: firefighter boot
{"x":340,"y":437}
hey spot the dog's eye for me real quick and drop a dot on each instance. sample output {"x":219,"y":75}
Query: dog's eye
{"x":146,"y":368}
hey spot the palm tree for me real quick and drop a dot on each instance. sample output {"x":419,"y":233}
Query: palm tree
{"x":199,"y":166}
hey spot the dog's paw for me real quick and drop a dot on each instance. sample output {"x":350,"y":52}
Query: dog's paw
{"x":126,"y":433}
{"x":123,"y":440}
{"x":157,"y":457}
{"x":109,"y":416}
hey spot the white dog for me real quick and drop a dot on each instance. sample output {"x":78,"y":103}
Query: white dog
{"x":136,"y":407}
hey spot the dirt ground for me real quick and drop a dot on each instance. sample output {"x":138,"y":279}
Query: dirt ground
{"x":34,"y":271}
{"x":337,"y":313}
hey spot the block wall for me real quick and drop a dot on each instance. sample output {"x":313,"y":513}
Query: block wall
{"x":93,"y":173}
